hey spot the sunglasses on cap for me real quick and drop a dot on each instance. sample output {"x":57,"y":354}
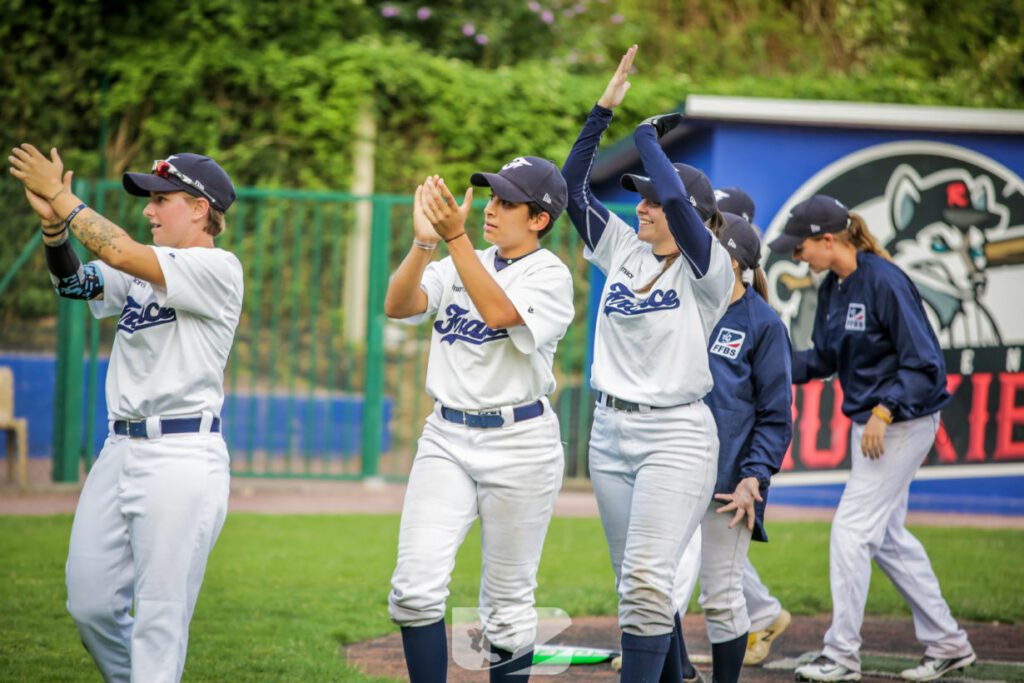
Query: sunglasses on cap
{"x":166,"y":169}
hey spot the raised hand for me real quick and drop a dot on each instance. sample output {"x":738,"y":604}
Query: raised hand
{"x":422,"y":229}
{"x":663,"y":123}
{"x":616,"y":89}
{"x":444,"y":213}
{"x":44,"y":177}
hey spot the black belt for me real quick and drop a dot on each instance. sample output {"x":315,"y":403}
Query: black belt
{"x":618,"y":404}
{"x":492,"y":418}
{"x":136,"y":429}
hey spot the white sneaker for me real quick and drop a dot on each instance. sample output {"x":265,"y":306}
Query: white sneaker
{"x":825,"y":669}
{"x":930,"y":668}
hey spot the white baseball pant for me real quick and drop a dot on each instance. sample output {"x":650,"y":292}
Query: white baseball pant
{"x":653,"y":474}
{"x":147,"y":519}
{"x":869,"y":525}
{"x":509,"y":477}
{"x":762,"y":607}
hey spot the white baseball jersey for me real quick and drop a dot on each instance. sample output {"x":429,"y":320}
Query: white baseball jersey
{"x":473,"y":367}
{"x":171,"y":344}
{"x":651,"y":348}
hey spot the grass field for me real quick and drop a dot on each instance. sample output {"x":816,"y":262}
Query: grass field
{"x":284,"y":593}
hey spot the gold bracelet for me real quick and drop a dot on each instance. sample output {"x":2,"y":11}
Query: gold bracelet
{"x":883,"y":414}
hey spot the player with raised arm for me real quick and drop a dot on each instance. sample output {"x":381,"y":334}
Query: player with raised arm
{"x":654,"y":444}
{"x":491,"y":448}
{"x":156,"y":497}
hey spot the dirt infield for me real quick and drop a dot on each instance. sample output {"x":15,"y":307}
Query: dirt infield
{"x":889,"y":638}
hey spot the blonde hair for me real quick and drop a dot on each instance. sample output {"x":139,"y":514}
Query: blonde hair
{"x":760,"y":283}
{"x":857,"y":235}
{"x":214,"y":217}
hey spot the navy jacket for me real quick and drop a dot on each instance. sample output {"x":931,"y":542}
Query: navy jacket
{"x":872,"y":330}
{"x":753,"y":396}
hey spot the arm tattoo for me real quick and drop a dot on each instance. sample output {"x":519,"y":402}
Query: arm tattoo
{"x":97,"y":233}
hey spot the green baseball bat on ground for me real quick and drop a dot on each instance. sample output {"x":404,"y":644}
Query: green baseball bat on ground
{"x":571,"y":654}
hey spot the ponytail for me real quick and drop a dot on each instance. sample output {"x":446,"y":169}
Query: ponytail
{"x":860,"y":237}
{"x":665,"y":265}
{"x":716,"y":222}
{"x":760,"y":283}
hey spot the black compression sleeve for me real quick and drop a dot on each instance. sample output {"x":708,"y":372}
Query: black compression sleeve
{"x":70,"y":278}
{"x":62,"y":260}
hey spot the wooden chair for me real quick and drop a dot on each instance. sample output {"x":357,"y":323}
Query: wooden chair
{"x":16,"y":429}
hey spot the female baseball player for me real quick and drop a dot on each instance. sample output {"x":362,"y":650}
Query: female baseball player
{"x":751,"y":401}
{"x":653,"y":448}
{"x":156,"y":497}
{"x":768,"y":619}
{"x":492,"y":447}
{"x":871,"y":330}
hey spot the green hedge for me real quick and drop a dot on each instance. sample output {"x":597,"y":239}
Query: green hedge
{"x":271,"y":90}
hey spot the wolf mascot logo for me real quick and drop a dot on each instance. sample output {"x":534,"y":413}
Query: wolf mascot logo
{"x":953,"y":219}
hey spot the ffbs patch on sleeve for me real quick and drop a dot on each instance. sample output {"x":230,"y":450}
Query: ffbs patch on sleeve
{"x":728,"y":343}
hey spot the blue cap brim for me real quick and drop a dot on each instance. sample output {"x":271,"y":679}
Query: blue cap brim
{"x":503,"y":187}
{"x":142,"y":184}
{"x":639,"y":184}
{"x":785,"y":244}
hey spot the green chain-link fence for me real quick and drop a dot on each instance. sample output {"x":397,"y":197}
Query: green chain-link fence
{"x":319,"y":383}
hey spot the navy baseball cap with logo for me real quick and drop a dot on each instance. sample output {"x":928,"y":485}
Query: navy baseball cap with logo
{"x":528,"y":179}
{"x":198,"y":175}
{"x":736,"y":201}
{"x":702,"y":196}
{"x":814,"y":216}
{"x":741,"y":240}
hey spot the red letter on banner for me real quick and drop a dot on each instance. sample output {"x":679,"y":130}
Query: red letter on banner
{"x":943,"y":446}
{"x":810,"y":422}
{"x":787,"y":461}
{"x":1010,"y":415}
{"x":979,"y":416}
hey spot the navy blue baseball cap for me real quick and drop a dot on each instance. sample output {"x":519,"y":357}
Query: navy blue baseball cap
{"x":734,"y":200}
{"x":528,"y":179}
{"x":198,"y":175}
{"x":741,"y":240}
{"x":702,"y":196}
{"x":815,"y":216}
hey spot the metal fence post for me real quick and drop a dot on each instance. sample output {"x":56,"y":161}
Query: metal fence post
{"x":373,"y":399}
{"x":67,"y":399}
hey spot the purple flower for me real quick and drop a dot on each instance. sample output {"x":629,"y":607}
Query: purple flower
{"x":580,"y":8}
{"x":389,"y":11}
{"x":423,"y":13}
{"x":481,"y":39}
{"x":468,"y":29}
{"x":617,"y":18}
{"x":547,"y":17}
{"x":534,"y":6}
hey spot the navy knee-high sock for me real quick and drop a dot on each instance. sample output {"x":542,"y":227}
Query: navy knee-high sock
{"x":689,"y":673}
{"x":509,"y":669}
{"x":426,"y":652}
{"x":643,"y":657}
{"x":727,"y":659}
{"x":673,"y":669}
